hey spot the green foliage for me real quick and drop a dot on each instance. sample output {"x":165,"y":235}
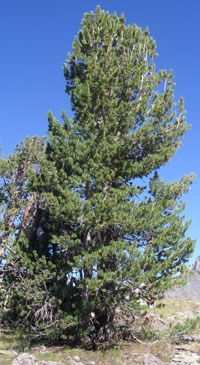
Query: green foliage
{"x":185,"y":327}
{"x":148,"y":334}
{"x":98,"y":237}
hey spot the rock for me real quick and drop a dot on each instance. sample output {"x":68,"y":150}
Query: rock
{"x":152,"y":360}
{"x":185,"y":358}
{"x":154,"y":322}
{"x":76,"y":358}
{"x":73,"y":362}
{"x":196,"y":266}
{"x":41,"y":349}
{"x":28,"y":359}
{"x":182,"y":339}
{"x":24,"y":359}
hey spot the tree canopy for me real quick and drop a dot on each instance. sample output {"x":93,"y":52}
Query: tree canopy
{"x":88,"y":225}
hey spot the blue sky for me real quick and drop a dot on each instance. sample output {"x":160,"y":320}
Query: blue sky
{"x":35,"y":36}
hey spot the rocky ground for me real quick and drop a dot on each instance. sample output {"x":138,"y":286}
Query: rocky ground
{"x":180,"y":355}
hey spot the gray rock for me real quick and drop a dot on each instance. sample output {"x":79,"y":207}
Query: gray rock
{"x":76,"y":358}
{"x":73,"y":362}
{"x":152,"y":360}
{"x":185,"y":358}
{"x":196,"y":266}
{"x":184,"y":339}
{"x":28,"y":359}
{"x":24,"y":359}
{"x":41,"y":349}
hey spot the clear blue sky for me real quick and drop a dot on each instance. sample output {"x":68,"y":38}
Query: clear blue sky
{"x":35,"y":36}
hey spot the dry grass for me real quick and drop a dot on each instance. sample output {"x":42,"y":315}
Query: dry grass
{"x":176,"y":309}
{"x":162,"y":349}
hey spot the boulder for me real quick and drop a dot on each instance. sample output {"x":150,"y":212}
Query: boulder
{"x":28,"y":359}
{"x":24,"y":359}
{"x":185,"y":358}
{"x":152,"y":360}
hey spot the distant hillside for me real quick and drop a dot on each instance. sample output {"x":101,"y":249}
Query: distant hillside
{"x":191,"y":290}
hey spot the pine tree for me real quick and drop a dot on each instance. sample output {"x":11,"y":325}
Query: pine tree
{"x":112,"y":231}
{"x":18,"y":202}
